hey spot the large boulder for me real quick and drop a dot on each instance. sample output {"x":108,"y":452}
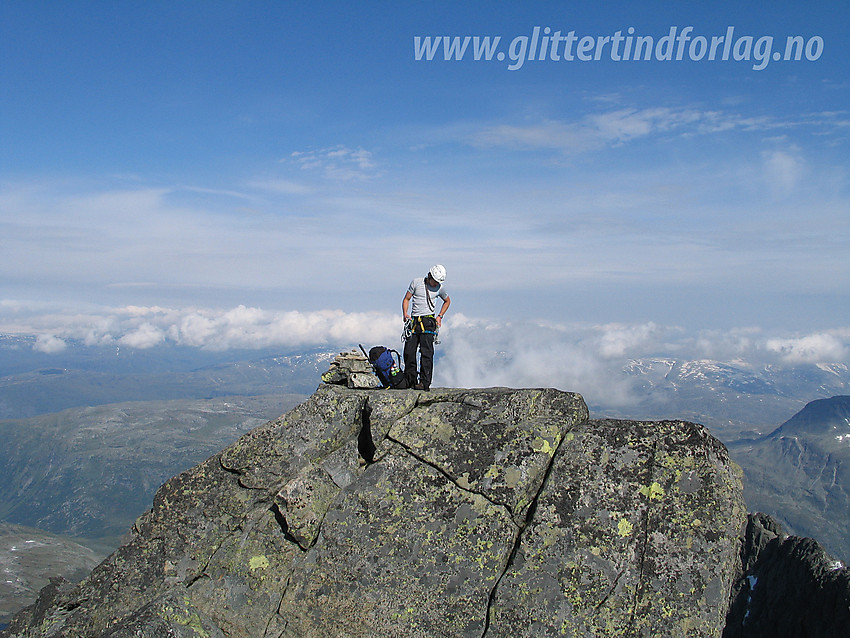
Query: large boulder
{"x":492,"y":512}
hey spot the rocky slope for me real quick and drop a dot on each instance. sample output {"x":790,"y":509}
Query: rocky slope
{"x":90,"y":472}
{"x":452,"y":513}
{"x":30,"y":557}
{"x":788,"y":587}
{"x":800,"y":473}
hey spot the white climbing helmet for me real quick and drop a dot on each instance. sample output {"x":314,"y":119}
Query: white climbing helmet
{"x":438,"y":273}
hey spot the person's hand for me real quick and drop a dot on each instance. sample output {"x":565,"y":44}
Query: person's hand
{"x":439,"y":321}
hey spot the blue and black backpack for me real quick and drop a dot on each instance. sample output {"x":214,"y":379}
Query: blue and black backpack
{"x":387,"y":367}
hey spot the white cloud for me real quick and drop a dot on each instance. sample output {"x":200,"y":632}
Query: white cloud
{"x":284,"y":186}
{"x":239,"y":327}
{"x":500,"y":348}
{"x":145,"y":336}
{"x":627,"y":124}
{"x":619,"y":340}
{"x":243,"y":327}
{"x":545,"y":135}
{"x":814,"y":348}
{"x":581,"y":358}
{"x":614,"y":127}
{"x":619,"y":126}
{"x":49,"y":344}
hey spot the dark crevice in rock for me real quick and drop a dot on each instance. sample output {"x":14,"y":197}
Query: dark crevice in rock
{"x":202,"y":572}
{"x":229,"y":470}
{"x":280,"y":519}
{"x":271,"y":620}
{"x":424,"y":399}
{"x":280,"y":614}
{"x":237,"y":473}
{"x":365,"y":444}
{"x":529,"y":516}
{"x":201,"y":575}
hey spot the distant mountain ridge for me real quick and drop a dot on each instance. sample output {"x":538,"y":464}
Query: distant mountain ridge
{"x":734,"y":399}
{"x":30,"y":557}
{"x":800,"y":473}
{"x":821,"y":417}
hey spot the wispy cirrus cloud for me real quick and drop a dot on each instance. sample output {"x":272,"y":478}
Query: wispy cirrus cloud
{"x":337,"y":162}
{"x":783,"y":170}
{"x":620,"y":126}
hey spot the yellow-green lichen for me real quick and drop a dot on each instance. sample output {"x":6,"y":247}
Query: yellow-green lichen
{"x":543,"y":445}
{"x":444,"y":431}
{"x":186,"y":619}
{"x":258,"y":562}
{"x":652,"y":492}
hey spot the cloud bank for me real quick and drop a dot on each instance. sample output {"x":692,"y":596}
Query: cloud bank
{"x":474,"y":352}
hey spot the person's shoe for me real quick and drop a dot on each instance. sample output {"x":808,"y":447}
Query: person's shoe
{"x":419,"y":386}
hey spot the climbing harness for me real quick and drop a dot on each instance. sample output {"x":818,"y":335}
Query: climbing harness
{"x":411,"y":324}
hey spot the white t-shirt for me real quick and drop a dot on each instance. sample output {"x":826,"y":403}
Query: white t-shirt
{"x":422,"y":302}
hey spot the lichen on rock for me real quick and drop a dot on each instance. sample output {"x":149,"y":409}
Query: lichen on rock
{"x":485,"y":512}
{"x":613,"y":545}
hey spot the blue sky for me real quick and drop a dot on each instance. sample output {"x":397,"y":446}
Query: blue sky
{"x":176,"y":166}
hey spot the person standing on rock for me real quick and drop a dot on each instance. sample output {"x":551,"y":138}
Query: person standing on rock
{"x":422,"y":324}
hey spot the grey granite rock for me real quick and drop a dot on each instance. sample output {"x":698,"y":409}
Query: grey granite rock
{"x":488,"y":512}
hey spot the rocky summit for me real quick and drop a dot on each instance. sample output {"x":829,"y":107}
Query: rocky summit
{"x":487,"y":512}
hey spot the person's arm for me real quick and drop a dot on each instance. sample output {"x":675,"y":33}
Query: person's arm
{"x":443,"y":309}
{"x":405,"y":304}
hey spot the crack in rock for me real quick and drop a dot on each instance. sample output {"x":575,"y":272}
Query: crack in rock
{"x":529,"y":517}
{"x":448,"y":476}
{"x":644,"y":538}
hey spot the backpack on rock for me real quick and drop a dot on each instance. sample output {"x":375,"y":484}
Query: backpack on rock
{"x":387,"y":367}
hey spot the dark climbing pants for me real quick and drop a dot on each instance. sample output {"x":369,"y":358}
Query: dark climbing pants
{"x":422,"y":339}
